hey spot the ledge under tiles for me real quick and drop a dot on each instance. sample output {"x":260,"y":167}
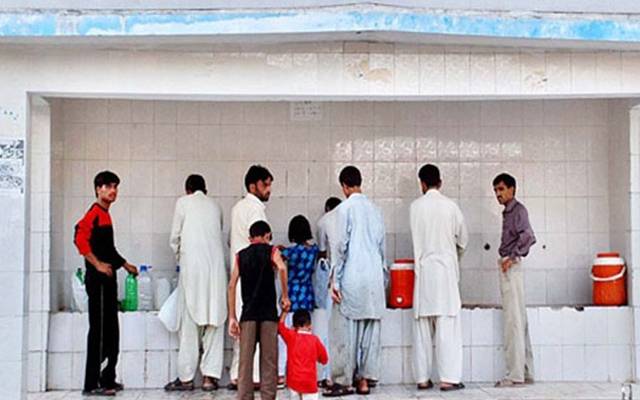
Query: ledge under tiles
{"x":586,"y":344}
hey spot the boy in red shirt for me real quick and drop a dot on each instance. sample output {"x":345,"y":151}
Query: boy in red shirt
{"x":304,"y":350}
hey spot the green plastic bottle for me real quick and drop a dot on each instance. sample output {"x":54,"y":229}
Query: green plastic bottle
{"x":130,"y":302}
{"x":80,"y":275}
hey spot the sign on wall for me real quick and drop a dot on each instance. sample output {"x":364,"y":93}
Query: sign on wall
{"x":11,"y":165}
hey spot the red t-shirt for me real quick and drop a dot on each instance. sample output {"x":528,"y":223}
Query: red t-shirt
{"x":304,"y":350}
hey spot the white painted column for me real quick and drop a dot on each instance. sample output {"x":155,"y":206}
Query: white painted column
{"x":634,"y":261}
{"x":13,"y":283}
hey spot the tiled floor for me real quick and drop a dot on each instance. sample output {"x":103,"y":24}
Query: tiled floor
{"x":541,"y":391}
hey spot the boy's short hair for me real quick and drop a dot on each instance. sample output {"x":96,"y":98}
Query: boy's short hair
{"x":105,"y":178}
{"x":350,"y":176}
{"x":505,"y":178}
{"x":331,"y":203}
{"x":194,"y":183}
{"x":256,"y":173}
{"x":259,"y":228}
{"x":301,"y":318}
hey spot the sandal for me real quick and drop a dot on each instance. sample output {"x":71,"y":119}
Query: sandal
{"x":372,"y":382}
{"x":118,"y":387}
{"x":425,"y":386}
{"x":99,"y":392}
{"x":337,"y":390}
{"x":454,"y":386}
{"x":210,"y":386}
{"x":232,"y":386}
{"x":506,"y":383}
{"x":179,"y":386}
{"x":281,"y":382}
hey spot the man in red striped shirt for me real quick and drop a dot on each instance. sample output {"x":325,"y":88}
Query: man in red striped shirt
{"x":94,"y":240}
{"x":304,"y":350}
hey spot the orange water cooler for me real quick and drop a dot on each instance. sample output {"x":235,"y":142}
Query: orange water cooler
{"x":609,"y":280}
{"x":402,"y":280}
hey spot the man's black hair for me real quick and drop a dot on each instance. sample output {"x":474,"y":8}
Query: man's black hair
{"x":301,"y":318}
{"x":429,"y":175}
{"x":350,"y":176}
{"x":299,"y":230}
{"x":505,"y":178}
{"x":331,"y":203}
{"x":256,"y":173}
{"x":105,"y":178}
{"x":194,"y":183}
{"x":259,"y":228}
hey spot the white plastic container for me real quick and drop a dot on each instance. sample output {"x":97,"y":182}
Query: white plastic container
{"x":145,"y":289}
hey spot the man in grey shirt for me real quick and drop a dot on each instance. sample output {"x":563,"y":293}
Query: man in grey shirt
{"x":517,"y":239}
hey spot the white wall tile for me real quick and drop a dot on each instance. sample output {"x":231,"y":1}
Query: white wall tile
{"x":596,"y":363}
{"x":133,"y":332}
{"x":482,"y":360}
{"x":620,"y":325}
{"x":596,"y":326}
{"x":60,"y":330}
{"x":550,"y":365}
{"x":483,"y":327}
{"x":573,"y":363}
{"x":619,"y":359}
{"x":133,"y":368}
{"x":157,"y":337}
{"x":59,"y":371}
{"x":156,"y":372}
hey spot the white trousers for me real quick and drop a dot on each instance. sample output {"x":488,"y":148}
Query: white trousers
{"x":320,"y":319}
{"x":446,"y":333}
{"x":191,"y":336}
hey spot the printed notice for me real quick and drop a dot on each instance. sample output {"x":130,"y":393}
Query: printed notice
{"x":305,"y":111}
{"x":11,"y":165}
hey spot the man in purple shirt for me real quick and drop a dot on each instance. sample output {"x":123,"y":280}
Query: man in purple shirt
{"x":517,"y":239}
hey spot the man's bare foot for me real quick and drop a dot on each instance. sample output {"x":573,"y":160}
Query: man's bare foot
{"x":209,"y":383}
{"x":363,"y":387}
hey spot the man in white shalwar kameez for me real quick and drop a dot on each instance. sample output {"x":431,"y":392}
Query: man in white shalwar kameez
{"x":244,"y":213}
{"x":196,"y":239}
{"x":327,"y":242}
{"x":439,"y":239}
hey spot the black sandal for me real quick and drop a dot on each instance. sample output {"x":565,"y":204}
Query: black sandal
{"x":423,"y":386}
{"x":104,"y":392}
{"x":179,"y":386}
{"x":454,"y":386}
{"x":211,"y":386}
{"x":337,"y":390}
{"x":118,"y":387}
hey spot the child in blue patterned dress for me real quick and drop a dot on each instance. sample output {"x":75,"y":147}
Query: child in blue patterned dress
{"x":301,"y":257}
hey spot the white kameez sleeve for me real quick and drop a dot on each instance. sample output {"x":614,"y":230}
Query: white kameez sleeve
{"x":176,"y":228}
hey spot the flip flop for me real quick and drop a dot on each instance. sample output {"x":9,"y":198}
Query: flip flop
{"x":453,"y":387}
{"x":179,"y":386}
{"x":103,"y":392}
{"x":211,"y":386}
{"x":425,"y":386}
{"x":232,"y":386}
{"x":337,"y":390}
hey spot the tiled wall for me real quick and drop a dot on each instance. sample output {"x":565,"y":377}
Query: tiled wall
{"x":558,"y":150}
{"x":568,"y":345}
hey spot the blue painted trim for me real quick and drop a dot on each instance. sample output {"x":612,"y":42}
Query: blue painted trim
{"x":337,"y":20}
